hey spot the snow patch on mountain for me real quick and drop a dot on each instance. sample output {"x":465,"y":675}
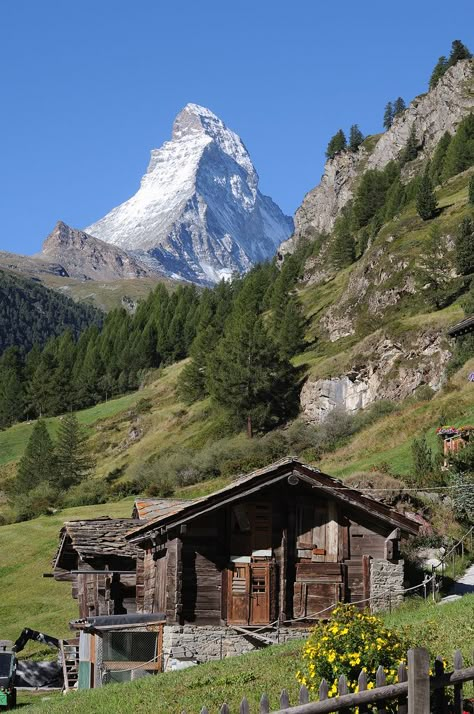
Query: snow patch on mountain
{"x":198,"y":213}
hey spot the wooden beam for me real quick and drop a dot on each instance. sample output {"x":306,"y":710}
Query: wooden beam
{"x":418,"y":681}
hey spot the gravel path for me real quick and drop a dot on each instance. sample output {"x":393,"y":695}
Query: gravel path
{"x":464,"y":585}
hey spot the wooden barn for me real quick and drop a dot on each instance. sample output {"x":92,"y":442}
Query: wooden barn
{"x":283,"y":543}
{"x":101,"y":564}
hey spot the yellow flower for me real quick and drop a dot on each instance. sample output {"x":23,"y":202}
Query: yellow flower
{"x":370,"y":685}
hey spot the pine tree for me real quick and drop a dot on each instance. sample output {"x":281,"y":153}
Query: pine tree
{"x":290,"y":336}
{"x":388,"y":116}
{"x":410,"y":152}
{"x":73,"y":460}
{"x":465,"y":247}
{"x":399,"y":106}
{"x":337,"y":143}
{"x":394,"y":199}
{"x":192,"y":384}
{"x":471,"y":190}
{"x":438,"y":71}
{"x":422,"y":460}
{"x":38,"y":464}
{"x":249,"y":378}
{"x":460,"y":152}
{"x":356,"y":137}
{"x":458,"y":52}
{"x":439,"y":158}
{"x":426,"y":202}
{"x":343,"y":249}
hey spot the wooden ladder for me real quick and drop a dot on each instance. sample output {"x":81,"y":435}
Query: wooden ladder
{"x":70,"y":662}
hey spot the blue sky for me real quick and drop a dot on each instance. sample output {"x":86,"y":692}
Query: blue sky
{"x":89,"y":87}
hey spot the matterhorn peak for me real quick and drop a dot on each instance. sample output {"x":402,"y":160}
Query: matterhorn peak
{"x":198,"y":213}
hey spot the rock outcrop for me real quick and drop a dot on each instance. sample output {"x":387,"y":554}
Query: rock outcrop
{"x":430,"y":115}
{"x":87,"y":258}
{"x":198,"y":213}
{"x":383,"y":369}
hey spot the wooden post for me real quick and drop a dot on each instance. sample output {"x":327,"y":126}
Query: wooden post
{"x":323,"y":690}
{"x":402,"y":677}
{"x":244,"y":706}
{"x":342,"y":690}
{"x":304,"y":695}
{"x":362,"y":682}
{"x":380,"y":681}
{"x":284,"y":699}
{"x":418,"y":681}
{"x":439,"y":696}
{"x":264,"y":704}
{"x":458,"y":703}
{"x":224,"y":709}
{"x":433,"y":582}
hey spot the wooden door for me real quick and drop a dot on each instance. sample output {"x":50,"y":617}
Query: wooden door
{"x":239,"y":594}
{"x":249,"y":593}
{"x":259,"y":593}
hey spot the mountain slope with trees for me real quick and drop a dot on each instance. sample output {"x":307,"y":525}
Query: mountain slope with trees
{"x":30,"y":313}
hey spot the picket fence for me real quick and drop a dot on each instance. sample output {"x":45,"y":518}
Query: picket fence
{"x":416,"y":692}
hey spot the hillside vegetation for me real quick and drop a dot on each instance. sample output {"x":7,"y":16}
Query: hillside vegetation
{"x":441,"y":629}
{"x":31,"y":314}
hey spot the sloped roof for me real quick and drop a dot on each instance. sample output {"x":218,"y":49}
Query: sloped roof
{"x":94,"y":538}
{"x":462,"y":328}
{"x":146,"y":508}
{"x":256,"y":480}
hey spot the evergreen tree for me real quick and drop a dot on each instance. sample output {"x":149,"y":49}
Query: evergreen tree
{"x":337,"y":143}
{"x":192,"y":384}
{"x":435,"y":280}
{"x":422,"y":460}
{"x":394,"y":199}
{"x":439,"y":69}
{"x":343,"y":249}
{"x":458,"y":52}
{"x":460,"y":152}
{"x":356,"y":137}
{"x":439,"y":158}
{"x":410,"y":152}
{"x":399,"y":106}
{"x":249,"y":378}
{"x":426,"y":202}
{"x":73,"y":461}
{"x":38,"y":464}
{"x":470,"y":195}
{"x":291,"y":332}
{"x":388,"y":116}
{"x":465,"y":247}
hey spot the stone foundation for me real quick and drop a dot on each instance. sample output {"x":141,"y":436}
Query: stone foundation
{"x":386,"y":582}
{"x":204,"y":643}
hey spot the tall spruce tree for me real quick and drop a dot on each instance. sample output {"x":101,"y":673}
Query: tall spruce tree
{"x":399,"y":106}
{"x":73,"y":459}
{"x":356,"y":137}
{"x":470,"y":194}
{"x":336,"y":144}
{"x":438,"y":71}
{"x":37,"y":466}
{"x":410,"y":152}
{"x":248,"y":377}
{"x":439,"y":158}
{"x":388,"y":116}
{"x":465,"y":247}
{"x":460,"y":152}
{"x":426,"y":202}
{"x":291,"y":332}
{"x":459,"y":51}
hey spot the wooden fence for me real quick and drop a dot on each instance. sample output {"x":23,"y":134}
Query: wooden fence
{"x":416,"y":692}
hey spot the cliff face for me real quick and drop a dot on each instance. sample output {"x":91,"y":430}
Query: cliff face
{"x":377,"y":328}
{"x":430,"y":115}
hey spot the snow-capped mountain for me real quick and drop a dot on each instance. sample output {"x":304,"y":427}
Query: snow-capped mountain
{"x":198,"y":213}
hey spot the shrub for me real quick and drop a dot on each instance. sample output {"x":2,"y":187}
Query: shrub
{"x":350,"y":642}
{"x":87,"y":493}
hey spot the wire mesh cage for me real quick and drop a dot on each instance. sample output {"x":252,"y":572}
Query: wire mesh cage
{"x":128,"y":655}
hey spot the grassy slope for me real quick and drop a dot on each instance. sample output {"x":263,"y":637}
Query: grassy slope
{"x":445,"y":628}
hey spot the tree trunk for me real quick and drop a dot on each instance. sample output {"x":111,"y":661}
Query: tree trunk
{"x":249,"y":426}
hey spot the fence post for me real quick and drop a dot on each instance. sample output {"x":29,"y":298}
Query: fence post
{"x":418,"y":681}
{"x":380,"y":681}
{"x":402,"y":677}
{"x":304,"y":695}
{"x":458,"y":703}
{"x":284,"y":699}
{"x":362,"y":682}
{"x":264,"y":704}
{"x":439,"y":696}
{"x":433,"y":581}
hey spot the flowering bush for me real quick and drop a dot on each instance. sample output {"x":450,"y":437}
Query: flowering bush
{"x":455,"y":430}
{"x":350,"y":642}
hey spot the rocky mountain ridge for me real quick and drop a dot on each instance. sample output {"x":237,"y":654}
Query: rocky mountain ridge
{"x":198,"y":213}
{"x":430,"y":115}
{"x":86,"y":258}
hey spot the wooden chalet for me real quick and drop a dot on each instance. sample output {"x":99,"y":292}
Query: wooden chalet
{"x":101,"y":564}
{"x":281,"y":543}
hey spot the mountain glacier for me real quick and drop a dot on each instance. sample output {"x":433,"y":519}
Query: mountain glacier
{"x":198,"y":213}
